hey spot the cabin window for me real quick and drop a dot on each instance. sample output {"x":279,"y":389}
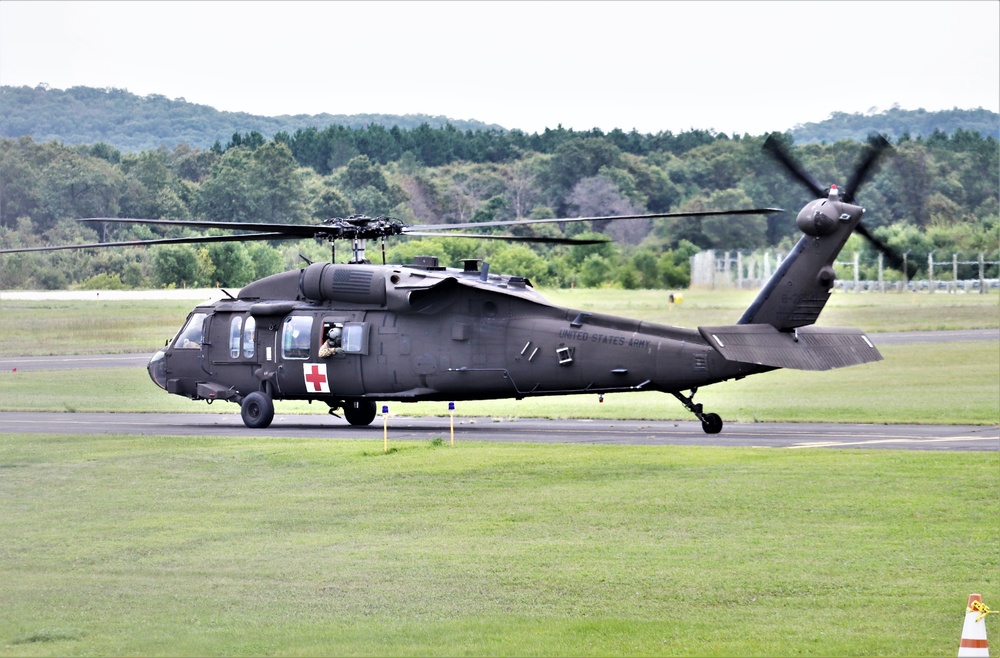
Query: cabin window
{"x":295,"y":337}
{"x":193,"y":332}
{"x":355,"y":339}
{"x":235,"y":328}
{"x":248,"y":332}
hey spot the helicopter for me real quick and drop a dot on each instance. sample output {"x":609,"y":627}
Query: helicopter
{"x":353,"y":334}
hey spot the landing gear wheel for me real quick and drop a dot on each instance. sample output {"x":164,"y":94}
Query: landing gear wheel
{"x":359,"y":412}
{"x":711,"y":423}
{"x":257,"y":410}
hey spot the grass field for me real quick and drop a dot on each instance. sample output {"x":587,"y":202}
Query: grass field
{"x":204,"y":546}
{"x":31,"y":328}
{"x":39,"y":328}
{"x":871,"y":311}
{"x":947,"y":383}
{"x":136,"y":545}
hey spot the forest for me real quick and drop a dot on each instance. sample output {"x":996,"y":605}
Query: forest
{"x":935,"y":192}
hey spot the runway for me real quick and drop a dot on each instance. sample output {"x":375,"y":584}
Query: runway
{"x":789,"y":436}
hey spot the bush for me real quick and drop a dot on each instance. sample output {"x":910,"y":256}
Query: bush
{"x":103,"y":281}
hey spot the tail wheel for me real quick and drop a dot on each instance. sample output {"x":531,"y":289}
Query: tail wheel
{"x":359,"y":412}
{"x":711,"y":423}
{"x":257,"y":410}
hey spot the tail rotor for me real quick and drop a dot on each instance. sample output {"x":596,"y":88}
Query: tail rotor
{"x":878,"y":147}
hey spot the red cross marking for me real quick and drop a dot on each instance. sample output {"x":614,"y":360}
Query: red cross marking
{"x":316,"y":378}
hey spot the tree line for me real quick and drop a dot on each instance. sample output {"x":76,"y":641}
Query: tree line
{"x":934,"y":192}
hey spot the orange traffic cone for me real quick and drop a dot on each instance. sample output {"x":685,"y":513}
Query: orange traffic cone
{"x":974,"y":644}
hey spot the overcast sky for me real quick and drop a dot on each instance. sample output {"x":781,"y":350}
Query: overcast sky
{"x":741,"y":67}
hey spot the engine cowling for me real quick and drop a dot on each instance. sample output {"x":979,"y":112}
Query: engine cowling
{"x":360,"y":284}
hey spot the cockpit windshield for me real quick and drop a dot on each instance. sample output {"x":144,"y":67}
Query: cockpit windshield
{"x":192,"y":334}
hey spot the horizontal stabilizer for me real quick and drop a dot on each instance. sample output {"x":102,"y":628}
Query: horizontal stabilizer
{"x":806,"y":348}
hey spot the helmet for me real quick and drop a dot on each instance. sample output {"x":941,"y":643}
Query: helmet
{"x":334,"y":333}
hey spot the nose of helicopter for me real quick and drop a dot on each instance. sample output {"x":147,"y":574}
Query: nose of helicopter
{"x":158,"y":369}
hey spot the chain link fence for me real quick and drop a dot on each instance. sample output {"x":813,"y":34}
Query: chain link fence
{"x":955,"y":272}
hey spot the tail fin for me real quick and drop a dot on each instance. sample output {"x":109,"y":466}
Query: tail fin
{"x":800,"y":288}
{"x":774,"y":330}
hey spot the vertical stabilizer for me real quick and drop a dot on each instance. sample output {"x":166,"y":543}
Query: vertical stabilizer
{"x":800,"y":288}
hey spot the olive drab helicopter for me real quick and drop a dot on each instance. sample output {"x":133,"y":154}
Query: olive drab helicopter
{"x":355,"y":334}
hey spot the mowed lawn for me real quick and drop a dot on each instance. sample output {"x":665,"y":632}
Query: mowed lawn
{"x":130,"y":545}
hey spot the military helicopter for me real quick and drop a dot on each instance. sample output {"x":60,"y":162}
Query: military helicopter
{"x":352,"y":335}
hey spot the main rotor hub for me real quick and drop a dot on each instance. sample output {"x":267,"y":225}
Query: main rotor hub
{"x":361,"y":227}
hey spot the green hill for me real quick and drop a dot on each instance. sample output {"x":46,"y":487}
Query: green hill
{"x":895,"y":123}
{"x":131,"y":123}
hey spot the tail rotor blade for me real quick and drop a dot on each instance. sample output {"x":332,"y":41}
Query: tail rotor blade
{"x":877,"y":148}
{"x":774,"y":146}
{"x":895,"y":260}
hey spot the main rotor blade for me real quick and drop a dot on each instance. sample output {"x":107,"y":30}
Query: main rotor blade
{"x":137,"y":243}
{"x":773,"y":146}
{"x":360,"y":227}
{"x":296,"y":230}
{"x":877,"y":147}
{"x":513,"y":238}
{"x":554,"y":220}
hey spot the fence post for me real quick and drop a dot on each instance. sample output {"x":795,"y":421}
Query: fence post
{"x":954,"y":274}
{"x":930,"y":272}
{"x":982,"y":273}
{"x":857,"y":274}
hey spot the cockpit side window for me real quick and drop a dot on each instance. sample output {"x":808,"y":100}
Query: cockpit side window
{"x":296,"y":336}
{"x":235,"y":328}
{"x":191,"y":336}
